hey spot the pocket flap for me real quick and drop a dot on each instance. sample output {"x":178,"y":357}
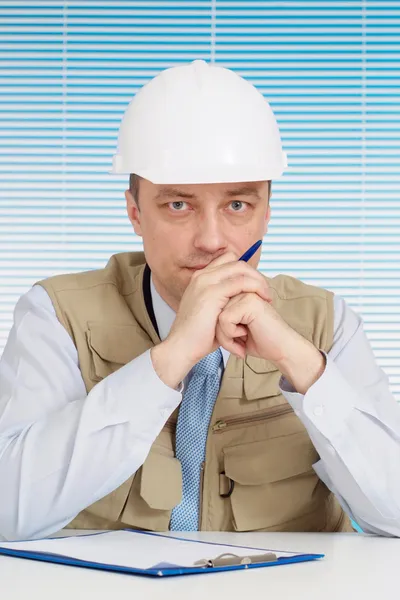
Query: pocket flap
{"x":117,"y":343}
{"x":261,"y":379}
{"x":271,"y":460}
{"x":113,"y":346}
{"x":259,"y":365}
{"x":161,"y":484}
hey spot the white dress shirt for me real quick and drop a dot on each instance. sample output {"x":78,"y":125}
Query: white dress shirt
{"x":62,"y":449}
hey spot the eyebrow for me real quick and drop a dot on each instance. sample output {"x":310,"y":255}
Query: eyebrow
{"x":171,"y":192}
{"x":243,"y":191}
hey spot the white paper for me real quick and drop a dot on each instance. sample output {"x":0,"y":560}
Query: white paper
{"x":133,"y":549}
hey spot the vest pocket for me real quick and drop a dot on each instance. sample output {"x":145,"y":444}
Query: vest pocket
{"x":111,"y":347}
{"x":156,"y":490}
{"x":273,"y":481}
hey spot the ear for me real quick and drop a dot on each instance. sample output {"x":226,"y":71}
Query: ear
{"x":133,"y":212}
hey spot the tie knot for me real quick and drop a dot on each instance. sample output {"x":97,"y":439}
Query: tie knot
{"x":209,"y":364}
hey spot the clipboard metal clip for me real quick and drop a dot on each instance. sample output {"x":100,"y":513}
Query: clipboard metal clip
{"x":233,"y":560}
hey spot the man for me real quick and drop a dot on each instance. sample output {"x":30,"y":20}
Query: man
{"x":182,"y":389}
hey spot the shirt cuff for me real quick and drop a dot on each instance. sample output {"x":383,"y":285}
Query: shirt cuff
{"x":327,"y":404}
{"x":139,"y":379}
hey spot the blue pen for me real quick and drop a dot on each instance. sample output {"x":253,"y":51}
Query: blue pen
{"x":249,"y":253}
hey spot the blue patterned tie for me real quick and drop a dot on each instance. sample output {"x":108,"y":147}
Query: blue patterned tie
{"x":191,"y":436}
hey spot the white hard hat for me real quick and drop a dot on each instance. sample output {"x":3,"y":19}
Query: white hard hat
{"x":199,"y":123}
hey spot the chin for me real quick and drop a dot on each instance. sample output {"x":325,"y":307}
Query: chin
{"x":176,"y":284}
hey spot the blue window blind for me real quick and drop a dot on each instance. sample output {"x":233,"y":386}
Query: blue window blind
{"x":331,"y":73}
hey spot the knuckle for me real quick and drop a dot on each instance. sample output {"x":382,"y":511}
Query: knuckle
{"x":223,"y":318}
{"x":243,"y":266}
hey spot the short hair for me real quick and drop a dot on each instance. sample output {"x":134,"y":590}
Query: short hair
{"x":134,"y":183}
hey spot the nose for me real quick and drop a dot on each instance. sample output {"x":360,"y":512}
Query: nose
{"x":209,"y":236}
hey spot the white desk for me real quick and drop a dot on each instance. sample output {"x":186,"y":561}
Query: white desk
{"x":355,"y":566}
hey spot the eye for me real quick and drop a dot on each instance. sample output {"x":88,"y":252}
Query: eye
{"x":177,"y":206}
{"x":238,"y":206}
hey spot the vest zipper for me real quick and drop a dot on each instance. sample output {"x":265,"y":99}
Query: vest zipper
{"x":229,"y":422}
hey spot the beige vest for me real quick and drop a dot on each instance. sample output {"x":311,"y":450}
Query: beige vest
{"x":258,"y":472}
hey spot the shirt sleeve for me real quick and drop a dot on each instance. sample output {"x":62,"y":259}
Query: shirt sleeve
{"x":62,"y":449}
{"x":354,"y":423}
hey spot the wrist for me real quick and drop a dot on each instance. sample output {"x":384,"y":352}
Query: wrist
{"x":302,"y":365}
{"x":170,"y":363}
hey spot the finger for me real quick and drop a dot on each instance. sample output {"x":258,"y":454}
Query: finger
{"x":240,"y":331}
{"x":223,"y":259}
{"x":230,"y":320}
{"x":241,"y":297}
{"x":211,"y":275}
{"x":248,"y":299}
{"x":240,"y":284}
{"x":214,"y":273}
{"x":226,"y":274}
{"x":234,"y":346}
{"x":230,"y":329}
{"x":236,"y":300}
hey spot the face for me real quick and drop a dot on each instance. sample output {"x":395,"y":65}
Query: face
{"x":185,"y":227}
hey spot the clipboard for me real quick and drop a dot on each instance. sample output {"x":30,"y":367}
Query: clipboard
{"x":144,"y":553}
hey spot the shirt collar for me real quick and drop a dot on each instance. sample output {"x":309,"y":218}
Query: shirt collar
{"x":165,"y":317}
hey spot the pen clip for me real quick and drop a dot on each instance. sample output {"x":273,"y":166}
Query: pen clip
{"x":229,"y":560}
